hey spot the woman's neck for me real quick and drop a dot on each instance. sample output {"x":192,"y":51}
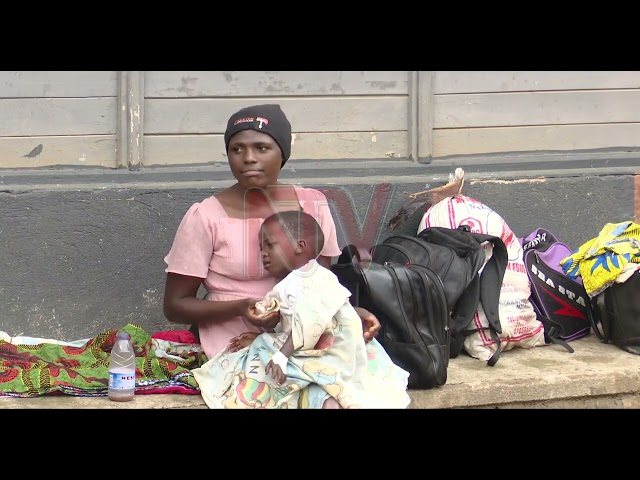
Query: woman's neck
{"x":279,"y":196}
{"x":240,"y":202}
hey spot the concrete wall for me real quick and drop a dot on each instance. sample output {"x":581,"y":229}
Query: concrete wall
{"x":97,"y":168}
{"x":82,"y":251}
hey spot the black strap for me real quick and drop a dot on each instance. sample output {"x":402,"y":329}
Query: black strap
{"x":491,"y":279}
{"x":486,"y":289}
{"x":490,"y":284}
{"x":562,"y":343}
{"x":349,"y":254}
{"x":496,"y":339}
{"x":551,"y":332}
{"x":496,"y":355}
{"x":551,"y":335}
{"x":598,"y":315}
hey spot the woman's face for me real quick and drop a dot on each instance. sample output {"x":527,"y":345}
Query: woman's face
{"x":255,"y":159}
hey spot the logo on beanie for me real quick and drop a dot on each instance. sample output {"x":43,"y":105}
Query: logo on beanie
{"x":261,"y":120}
{"x":243,"y":120}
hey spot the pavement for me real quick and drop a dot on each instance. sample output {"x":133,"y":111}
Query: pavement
{"x":596,"y":375}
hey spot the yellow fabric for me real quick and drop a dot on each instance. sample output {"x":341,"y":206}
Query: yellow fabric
{"x":600,"y":260}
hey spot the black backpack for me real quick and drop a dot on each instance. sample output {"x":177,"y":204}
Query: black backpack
{"x":411,"y":306}
{"x":615,"y":314}
{"x":456,"y":256}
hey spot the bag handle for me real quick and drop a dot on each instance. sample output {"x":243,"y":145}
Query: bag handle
{"x":354,"y":254}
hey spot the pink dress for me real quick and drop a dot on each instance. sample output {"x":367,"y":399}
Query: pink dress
{"x":225,"y":252}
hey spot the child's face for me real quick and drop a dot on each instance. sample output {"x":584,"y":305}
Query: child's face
{"x":278,"y":250}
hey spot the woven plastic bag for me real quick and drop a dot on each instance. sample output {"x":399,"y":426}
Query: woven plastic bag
{"x":520,"y":327}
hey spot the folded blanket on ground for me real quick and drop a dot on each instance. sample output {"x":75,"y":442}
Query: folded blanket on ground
{"x":35,"y":367}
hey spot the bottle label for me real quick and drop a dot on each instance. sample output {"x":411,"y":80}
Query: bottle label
{"x":122,"y":381}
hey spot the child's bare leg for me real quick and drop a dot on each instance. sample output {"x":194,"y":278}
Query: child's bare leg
{"x":331,"y":403}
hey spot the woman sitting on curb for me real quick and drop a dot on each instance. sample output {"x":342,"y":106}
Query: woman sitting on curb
{"x":216,"y":243}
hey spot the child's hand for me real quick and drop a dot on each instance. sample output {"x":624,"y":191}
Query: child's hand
{"x":278,"y":366}
{"x":241,"y":341}
{"x":276,"y":372}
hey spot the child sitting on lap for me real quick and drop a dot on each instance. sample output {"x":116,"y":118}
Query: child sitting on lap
{"x":316,"y":352}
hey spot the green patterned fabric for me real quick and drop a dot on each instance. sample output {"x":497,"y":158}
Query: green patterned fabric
{"x":48,"y":368}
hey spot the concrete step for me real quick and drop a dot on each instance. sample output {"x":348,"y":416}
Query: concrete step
{"x":596,"y":375}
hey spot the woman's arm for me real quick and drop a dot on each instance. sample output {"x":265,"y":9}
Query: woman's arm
{"x":325,"y":261}
{"x":182,"y":306}
{"x":370,"y":323}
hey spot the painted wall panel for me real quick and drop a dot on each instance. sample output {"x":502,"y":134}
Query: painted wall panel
{"x":335,"y":115}
{"x":48,"y":84}
{"x":80,"y":151}
{"x":446,"y":82}
{"x":57,"y":116}
{"x":332,"y":114}
{"x":280,"y":83}
{"x":538,"y":108}
{"x":164,"y":150}
{"x":471,"y":141}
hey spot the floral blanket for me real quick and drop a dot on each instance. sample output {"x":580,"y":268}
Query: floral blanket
{"x":330,"y":357}
{"x":46,"y":367}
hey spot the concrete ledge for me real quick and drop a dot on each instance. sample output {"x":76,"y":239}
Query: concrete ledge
{"x":594,"y":376}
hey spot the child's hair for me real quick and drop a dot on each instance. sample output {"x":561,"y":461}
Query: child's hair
{"x":299,"y":225}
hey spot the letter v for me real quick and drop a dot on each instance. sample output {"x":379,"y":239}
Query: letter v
{"x":363,"y":234}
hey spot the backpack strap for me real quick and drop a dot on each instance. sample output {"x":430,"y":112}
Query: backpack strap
{"x":472,"y":255}
{"x":491,"y":278}
{"x":599,"y":310}
{"x":551,"y":334}
{"x":484,"y":288}
{"x":490,"y":284}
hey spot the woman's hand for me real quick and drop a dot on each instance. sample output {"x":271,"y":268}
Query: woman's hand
{"x":248,"y":311}
{"x":370,"y":324}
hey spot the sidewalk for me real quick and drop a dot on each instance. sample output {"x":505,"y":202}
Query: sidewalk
{"x":594,"y":376}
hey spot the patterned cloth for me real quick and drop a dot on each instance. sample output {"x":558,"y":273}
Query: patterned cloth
{"x":30,"y":369}
{"x":600,"y":260}
{"x":330,"y":357}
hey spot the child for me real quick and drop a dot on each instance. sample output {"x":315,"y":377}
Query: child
{"x":317,"y":350}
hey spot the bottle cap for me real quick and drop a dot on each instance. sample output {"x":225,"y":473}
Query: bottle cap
{"x":123,"y":335}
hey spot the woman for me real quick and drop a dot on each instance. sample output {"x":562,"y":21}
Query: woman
{"x":216,"y":243}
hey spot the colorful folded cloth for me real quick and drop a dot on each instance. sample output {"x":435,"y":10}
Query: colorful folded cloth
{"x":602,"y":259}
{"x":31,"y":367}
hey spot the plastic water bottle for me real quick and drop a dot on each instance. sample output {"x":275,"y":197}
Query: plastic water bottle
{"x":122,"y":369}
